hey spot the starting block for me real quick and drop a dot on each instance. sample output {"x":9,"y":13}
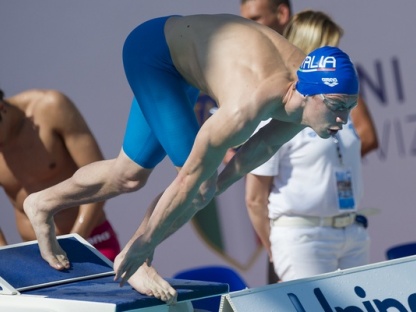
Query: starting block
{"x":29,"y":284}
{"x":379,"y":287}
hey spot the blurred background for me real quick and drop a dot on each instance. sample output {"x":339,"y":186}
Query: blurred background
{"x":75,"y":47}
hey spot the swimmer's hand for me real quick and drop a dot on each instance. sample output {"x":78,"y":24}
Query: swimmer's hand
{"x":148,"y":282}
{"x":138,"y":253}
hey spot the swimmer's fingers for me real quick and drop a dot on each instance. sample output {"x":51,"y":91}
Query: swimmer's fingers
{"x":126,"y":269}
{"x":149,"y":260}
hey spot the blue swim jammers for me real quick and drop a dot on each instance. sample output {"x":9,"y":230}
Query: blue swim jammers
{"x":162,"y":120}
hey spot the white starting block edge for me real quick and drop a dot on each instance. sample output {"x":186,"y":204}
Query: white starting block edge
{"x":266,"y":296}
{"x":31,"y":303}
{"x":7,"y":289}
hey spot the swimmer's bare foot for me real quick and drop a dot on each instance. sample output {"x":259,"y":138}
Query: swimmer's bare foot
{"x":44,"y":228}
{"x":147,"y":281}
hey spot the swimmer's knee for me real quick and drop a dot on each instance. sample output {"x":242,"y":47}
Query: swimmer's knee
{"x":130,"y":182}
{"x":127,"y":176}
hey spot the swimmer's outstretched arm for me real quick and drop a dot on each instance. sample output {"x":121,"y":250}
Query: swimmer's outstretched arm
{"x":195,"y":183}
{"x":256,"y":151}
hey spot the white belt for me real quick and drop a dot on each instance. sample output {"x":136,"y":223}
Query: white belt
{"x":340,"y":221}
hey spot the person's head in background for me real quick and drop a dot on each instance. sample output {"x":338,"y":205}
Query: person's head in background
{"x":309,"y":30}
{"x":272,"y":13}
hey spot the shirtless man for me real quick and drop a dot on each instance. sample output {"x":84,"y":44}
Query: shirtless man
{"x":251,"y":72}
{"x":43,"y":141}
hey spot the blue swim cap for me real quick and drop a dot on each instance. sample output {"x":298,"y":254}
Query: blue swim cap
{"x":327,"y":70}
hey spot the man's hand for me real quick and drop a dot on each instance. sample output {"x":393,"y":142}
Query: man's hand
{"x":127,"y":263}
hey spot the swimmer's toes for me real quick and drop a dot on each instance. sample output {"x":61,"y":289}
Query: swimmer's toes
{"x":149,"y":293}
{"x":58,"y":263}
{"x":171,"y":298}
{"x":63,"y":260}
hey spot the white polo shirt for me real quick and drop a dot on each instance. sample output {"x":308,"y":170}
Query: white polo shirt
{"x":304,"y":181}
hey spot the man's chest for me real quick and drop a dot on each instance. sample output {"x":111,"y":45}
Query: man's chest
{"x":32,"y":163}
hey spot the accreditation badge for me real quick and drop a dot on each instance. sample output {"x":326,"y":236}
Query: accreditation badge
{"x":344,"y":188}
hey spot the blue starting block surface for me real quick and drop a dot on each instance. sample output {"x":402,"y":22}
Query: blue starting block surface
{"x":22,"y":266}
{"x":106,"y":290}
{"x":28,"y":283}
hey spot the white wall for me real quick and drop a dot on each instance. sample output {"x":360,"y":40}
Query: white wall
{"x":75,"y":46}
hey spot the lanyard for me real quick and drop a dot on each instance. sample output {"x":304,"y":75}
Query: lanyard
{"x":337,"y":139}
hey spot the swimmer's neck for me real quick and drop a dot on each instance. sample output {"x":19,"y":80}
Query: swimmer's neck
{"x":290,"y":108}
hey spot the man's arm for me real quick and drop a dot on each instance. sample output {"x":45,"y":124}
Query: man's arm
{"x":193,"y":187}
{"x":215,"y":136}
{"x":364,"y":126}
{"x":256,"y":151}
{"x":83,"y":148}
{"x":257,"y":200}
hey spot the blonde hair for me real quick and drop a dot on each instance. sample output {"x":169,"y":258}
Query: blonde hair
{"x":309,"y":30}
